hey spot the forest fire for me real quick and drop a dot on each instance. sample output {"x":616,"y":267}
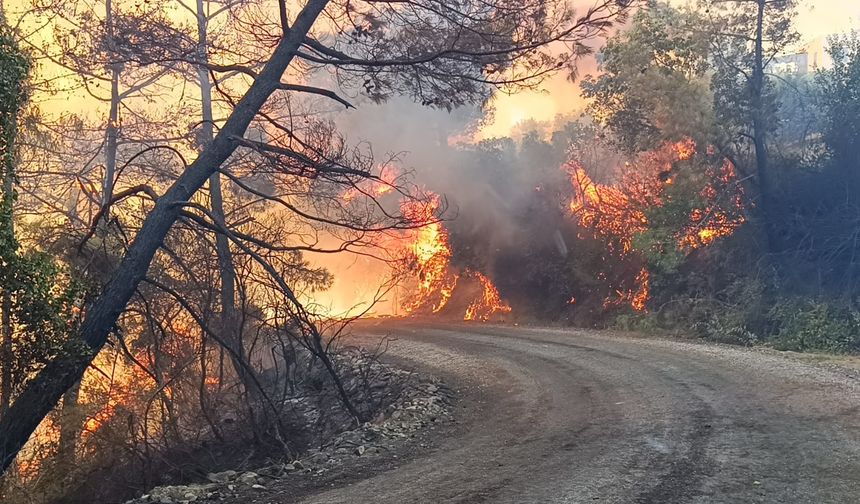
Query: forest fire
{"x":488,"y":304}
{"x":432,"y":255}
{"x":617,"y":214}
{"x":188,"y":253}
{"x":437,"y":279}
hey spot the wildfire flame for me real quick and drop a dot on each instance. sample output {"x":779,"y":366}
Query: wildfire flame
{"x":432,"y":255}
{"x":488,"y":304}
{"x":616,"y":213}
{"x":437,"y":280}
{"x":377,"y":186}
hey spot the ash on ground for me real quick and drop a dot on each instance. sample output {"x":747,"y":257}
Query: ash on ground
{"x":413,"y":404}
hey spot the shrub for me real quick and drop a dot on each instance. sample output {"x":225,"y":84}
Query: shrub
{"x":803,"y":325}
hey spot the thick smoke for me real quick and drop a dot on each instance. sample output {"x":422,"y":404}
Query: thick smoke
{"x":503,"y":184}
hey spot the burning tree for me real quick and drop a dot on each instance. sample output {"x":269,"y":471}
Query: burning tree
{"x":667,"y":203}
{"x":429,"y":256}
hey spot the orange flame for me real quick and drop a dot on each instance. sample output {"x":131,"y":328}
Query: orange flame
{"x":437,"y":279}
{"x":616,"y":213}
{"x":378,"y":185}
{"x":432,"y":255}
{"x":488,"y":304}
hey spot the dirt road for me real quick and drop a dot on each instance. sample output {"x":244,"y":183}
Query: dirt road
{"x":556,"y":416}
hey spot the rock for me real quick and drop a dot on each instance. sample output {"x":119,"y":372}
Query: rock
{"x":249,"y":478}
{"x":296,"y":465}
{"x":273,"y":471}
{"x":180,"y":494}
{"x":221,"y":477}
{"x":359,"y":450}
{"x":258,"y":487}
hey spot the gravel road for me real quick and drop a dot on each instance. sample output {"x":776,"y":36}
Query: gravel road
{"x":567,"y":416}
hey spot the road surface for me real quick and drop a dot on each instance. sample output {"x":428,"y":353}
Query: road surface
{"x":565,"y":416}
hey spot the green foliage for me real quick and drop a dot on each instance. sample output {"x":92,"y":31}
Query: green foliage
{"x":734,"y":26}
{"x":42,"y":297}
{"x":14,"y":69}
{"x":808,"y":324}
{"x":666,"y":222}
{"x":653,"y":86}
{"x":639,"y":322}
{"x":735,"y":316}
{"x":745,"y":314}
{"x":839,"y":104}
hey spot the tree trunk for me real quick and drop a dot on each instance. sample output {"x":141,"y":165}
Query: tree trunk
{"x":112,"y":130}
{"x":111,"y":139}
{"x":230,"y":331}
{"x":6,"y":307}
{"x":6,"y":354}
{"x":70,"y":425}
{"x":42,"y":393}
{"x":70,"y":421}
{"x":765,"y":182}
{"x":7,"y":235}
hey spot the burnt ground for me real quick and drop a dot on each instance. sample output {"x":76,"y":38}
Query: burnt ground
{"x":572,"y":416}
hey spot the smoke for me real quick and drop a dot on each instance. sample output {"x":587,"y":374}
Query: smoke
{"x":504,"y":196}
{"x":497,"y":167}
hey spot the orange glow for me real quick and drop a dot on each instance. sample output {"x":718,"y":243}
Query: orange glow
{"x":437,"y":280}
{"x":96,"y":421}
{"x":379,"y":185}
{"x":640,"y":297}
{"x":488,"y":304}
{"x":617,"y":213}
{"x":712,"y":222}
{"x":432,"y":255}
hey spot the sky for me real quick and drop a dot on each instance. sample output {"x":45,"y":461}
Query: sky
{"x":558,"y":95}
{"x":816,"y":18}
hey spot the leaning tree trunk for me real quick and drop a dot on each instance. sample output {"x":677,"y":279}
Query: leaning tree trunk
{"x":42,"y":393}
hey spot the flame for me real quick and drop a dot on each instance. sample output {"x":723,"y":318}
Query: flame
{"x":437,"y":280}
{"x":387,"y":179}
{"x":432,"y":254}
{"x":488,"y":304}
{"x":606,"y":210}
{"x":95,"y":422}
{"x":639,"y":298}
{"x":711,"y":223}
{"x":379,"y":185}
{"x":616,"y":213}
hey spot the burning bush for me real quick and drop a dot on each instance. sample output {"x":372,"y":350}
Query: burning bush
{"x":667,"y":203}
{"x":437,"y":281}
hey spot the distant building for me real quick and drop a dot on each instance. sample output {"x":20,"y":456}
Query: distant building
{"x":811,"y":57}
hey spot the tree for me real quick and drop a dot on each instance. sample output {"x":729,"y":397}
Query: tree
{"x":840,"y":108}
{"x":746,"y":35}
{"x":38,"y":298}
{"x":654,"y":81}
